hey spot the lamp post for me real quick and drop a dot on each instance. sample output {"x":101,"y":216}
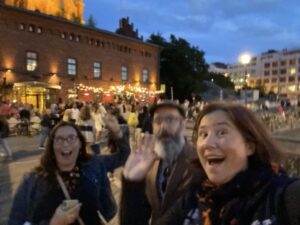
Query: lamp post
{"x":245,"y":59}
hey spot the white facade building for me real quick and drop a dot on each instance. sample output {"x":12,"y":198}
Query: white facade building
{"x":218,"y":67}
{"x":278,"y":72}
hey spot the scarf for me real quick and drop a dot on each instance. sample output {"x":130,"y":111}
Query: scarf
{"x":252,"y":195}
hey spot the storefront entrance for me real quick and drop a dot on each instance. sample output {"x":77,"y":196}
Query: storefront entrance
{"x":39,"y":94}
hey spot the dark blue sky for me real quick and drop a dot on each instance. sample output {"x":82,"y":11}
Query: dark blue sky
{"x":222,"y":28}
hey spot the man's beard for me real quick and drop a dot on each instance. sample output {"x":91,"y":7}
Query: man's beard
{"x":170,"y":149}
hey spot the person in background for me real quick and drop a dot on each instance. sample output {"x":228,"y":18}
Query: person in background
{"x":67,"y":169}
{"x":99,"y":125}
{"x":144,"y":118}
{"x":86,"y":125}
{"x":5,"y":109}
{"x":35,"y":123}
{"x":4,"y":133}
{"x":45,"y":128}
{"x":12,"y":123}
{"x":14,"y":111}
{"x":243,"y":182}
{"x":75,"y":112}
{"x":153,"y":182}
{"x":115,"y":111}
{"x":132,"y":122}
{"x":67,"y":117}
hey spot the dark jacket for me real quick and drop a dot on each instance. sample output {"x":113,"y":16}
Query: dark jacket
{"x":272,"y":199}
{"x":4,"y":127}
{"x":46,"y":121}
{"x":95,"y":192}
{"x":141,"y":200}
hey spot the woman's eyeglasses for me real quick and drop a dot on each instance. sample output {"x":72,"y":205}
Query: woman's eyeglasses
{"x":70,"y":139}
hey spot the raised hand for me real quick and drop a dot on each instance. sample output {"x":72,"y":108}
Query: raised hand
{"x":65,"y":217}
{"x":112,"y":125}
{"x":140,"y":159}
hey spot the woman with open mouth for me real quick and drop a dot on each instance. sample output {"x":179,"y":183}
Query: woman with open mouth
{"x":242,"y":183}
{"x":70,"y":186}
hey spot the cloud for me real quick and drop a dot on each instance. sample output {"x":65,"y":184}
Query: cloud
{"x":222,"y":28}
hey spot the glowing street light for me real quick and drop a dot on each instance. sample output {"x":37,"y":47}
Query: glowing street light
{"x":245,"y":58}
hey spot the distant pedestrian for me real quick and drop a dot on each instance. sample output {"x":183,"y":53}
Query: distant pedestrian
{"x":4,"y":133}
{"x":45,"y":128}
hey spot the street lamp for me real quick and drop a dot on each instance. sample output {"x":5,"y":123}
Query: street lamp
{"x":245,"y":59}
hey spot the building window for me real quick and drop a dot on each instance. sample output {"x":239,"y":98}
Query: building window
{"x":291,"y":79}
{"x":39,"y":30}
{"x":21,"y":26}
{"x":71,"y":37}
{"x":97,"y":70}
{"x":282,"y":63}
{"x":145,"y":76}
{"x":63,"y":35}
{"x":293,"y":71}
{"x":274,"y":72}
{"x":124,"y":73}
{"x":282,"y":79}
{"x":282,"y":71}
{"x":31,"y":28}
{"x":267,"y":65}
{"x":77,"y":39}
{"x":31,"y":61}
{"x":72,"y":66}
{"x":292,"y":61}
{"x":267,"y":72}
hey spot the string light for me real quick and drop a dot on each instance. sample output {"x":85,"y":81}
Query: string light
{"x":118,"y":89}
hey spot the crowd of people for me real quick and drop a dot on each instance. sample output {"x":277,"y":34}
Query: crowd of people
{"x":231,"y":173}
{"x":25,"y":119}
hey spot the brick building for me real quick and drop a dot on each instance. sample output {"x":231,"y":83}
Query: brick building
{"x":44,"y":58}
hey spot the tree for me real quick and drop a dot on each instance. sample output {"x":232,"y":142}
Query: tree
{"x":182,"y":66}
{"x":91,"y":22}
{"x":221,"y":80}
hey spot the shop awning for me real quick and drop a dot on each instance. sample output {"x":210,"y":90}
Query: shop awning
{"x":37,"y":84}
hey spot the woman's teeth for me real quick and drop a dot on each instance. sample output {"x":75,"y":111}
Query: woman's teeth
{"x":215,"y":161}
{"x":66,"y":153}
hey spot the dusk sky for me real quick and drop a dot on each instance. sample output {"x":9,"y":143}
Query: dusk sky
{"x":222,"y":28}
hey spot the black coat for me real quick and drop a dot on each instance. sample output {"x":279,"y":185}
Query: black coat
{"x":275,"y":202}
{"x":4,"y":128}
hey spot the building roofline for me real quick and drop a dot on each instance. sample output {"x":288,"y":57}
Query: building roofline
{"x":62,"y":20}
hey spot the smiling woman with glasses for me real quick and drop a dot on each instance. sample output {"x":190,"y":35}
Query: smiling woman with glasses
{"x":70,"y":139}
{"x":70,"y":186}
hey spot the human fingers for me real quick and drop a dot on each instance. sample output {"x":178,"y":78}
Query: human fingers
{"x":149,"y":143}
{"x":139,"y":144}
{"x":75,"y":209}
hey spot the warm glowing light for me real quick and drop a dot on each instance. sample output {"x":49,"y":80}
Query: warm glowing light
{"x":293,"y":71}
{"x":245,"y":58}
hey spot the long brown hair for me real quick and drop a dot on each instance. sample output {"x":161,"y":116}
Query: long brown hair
{"x":48,"y":164}
{"x":85,"y":113}
{"x":251,"y":128}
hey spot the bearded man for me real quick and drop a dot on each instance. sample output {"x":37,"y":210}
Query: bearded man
{"x":158,"y":170}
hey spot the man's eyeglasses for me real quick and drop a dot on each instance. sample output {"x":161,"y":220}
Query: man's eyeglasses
{"x":166,"y":119}
{"x":71,"y":139}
